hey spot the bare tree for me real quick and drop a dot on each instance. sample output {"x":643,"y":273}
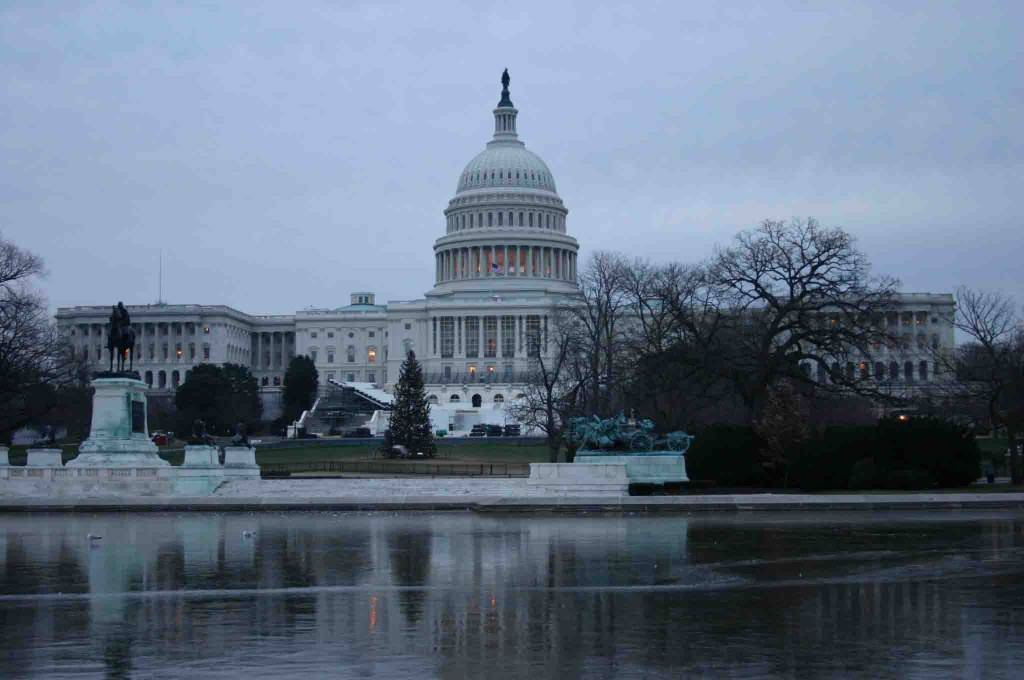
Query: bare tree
{"x":988,"y":369}
{"x":792,"y":296}
{"x":34,"y":358}
{"x":557,"y":379}
{"x":599,"y":326}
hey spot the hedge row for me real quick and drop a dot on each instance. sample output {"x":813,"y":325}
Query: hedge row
{"x":920,"y":453}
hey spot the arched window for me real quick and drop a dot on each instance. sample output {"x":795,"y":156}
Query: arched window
{"x":499,"y":399}
{"x":350,"y":354}
{"x":454,"y":398}
{"x":477,"y":400}
{"x":530,"y":219}
{"x":277,"y":380}
{"x":432,"y":399}
{"x":879,"y":370}
{"x":908,"y":371}
{"x":175,"y":378}
{"x":161,"y":379}
{"x":265,"y":381}
{"x":149,"y":378}
{"x":520,"y":396}
{"x":894,"y":370}
{"x":520,"y":218}
{"x":922,"y":370}
{"x":500,"y":215}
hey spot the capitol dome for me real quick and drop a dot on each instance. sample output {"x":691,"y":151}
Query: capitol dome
{"x":506,"y":225}
{"x":506,"y":165}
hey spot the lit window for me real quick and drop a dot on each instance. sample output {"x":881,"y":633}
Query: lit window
{"x":206,"y":330}
{"x":371,"y":355}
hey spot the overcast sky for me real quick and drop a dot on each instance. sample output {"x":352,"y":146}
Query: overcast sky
{"x":285,"y":155}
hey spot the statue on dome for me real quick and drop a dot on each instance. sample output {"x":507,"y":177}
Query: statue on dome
{"x":505,"y":100}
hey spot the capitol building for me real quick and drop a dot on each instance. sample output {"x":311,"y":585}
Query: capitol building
{"x":503,"y":263}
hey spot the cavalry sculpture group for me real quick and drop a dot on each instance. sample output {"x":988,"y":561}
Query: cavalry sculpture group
{"x":622,"y":434}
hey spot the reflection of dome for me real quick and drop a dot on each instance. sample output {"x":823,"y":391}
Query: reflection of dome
{"x":506,"y":224}
{"x":506,"y":164}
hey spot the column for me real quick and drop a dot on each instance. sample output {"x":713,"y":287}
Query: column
{"x":480,"y":270}
{"x":505,"y":265}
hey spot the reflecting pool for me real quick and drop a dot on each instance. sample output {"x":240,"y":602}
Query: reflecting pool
{"x":455,"y":595}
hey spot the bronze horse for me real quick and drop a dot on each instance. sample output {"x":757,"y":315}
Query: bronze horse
{"x":120,"y":340}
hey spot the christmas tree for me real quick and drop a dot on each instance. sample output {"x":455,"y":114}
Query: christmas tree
{"x":410,"y":411}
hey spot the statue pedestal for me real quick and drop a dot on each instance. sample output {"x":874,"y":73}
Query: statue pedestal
{"x":4,"y":459}
{"x":44,"y":458}
{"x":642,"y":467}
{"x":119,"y":434}
{"x":240,"y":463}
{"x":201,"y":473}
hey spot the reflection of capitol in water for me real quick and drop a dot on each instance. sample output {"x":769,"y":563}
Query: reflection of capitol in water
{"x":461,"y":595}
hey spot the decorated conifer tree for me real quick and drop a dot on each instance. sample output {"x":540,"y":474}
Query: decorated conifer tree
{"x":410,"y":411}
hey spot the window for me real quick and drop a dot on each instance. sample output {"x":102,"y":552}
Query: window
{"x":533,"y":339}
{"x":313,"y":334}
{"x":277,"y":381}
{"x":490,"y":336}
{"x":206,"y":330}
{"x":499,"y":218}
{"x":351,"y":377}
{"x":447,"y":337}
{"x":206,"y":352}
{"x":372,"y":335}
{"x":330,"y":334}
{"x":408,"y":326}
{"x":432,"y":399}
{"x":406,"y":347}
{"x":330,"y":357}
{"x":175,"y":378}
{"x":471,"y":372}
{"x":894,"y":370}
{"x":371,"y":355}
{"x":162,"y":379}
{"x":472,"y":337}
{"x":499,"y":399}
{"x":490,"y":219}
{"x":454,"y":398}
{"x":330,"y":375}
{"x":149,"y":378}
{"x":477,"y":400}
{"x":908,"y":371}
{"x":922,"y":370}
{"x":879,"y":370}
{"x":863,"y":366}
{"x":163,"y":351}
{"x":191,"y":350}
{"x":312,"y":355}
{"x":447,"y":373}
{"x":508,"y":336}
{"x":351,"y":335}
{"x":177,"y":350}
{"x":371,"y":376}
{"x":265,"y":381}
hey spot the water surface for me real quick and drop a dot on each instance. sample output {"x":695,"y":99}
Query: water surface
{"x":455,"y":595}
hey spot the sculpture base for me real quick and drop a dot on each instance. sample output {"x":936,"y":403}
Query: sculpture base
{"x":569,"y":479}
{"x":642,"y":467}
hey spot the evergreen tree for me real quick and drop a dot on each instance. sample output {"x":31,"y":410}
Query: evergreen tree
{"x":410,"y":411}
{"x":221,"y":395}
{"x":300,"y":384}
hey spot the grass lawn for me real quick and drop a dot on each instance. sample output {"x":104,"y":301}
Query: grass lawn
{"x":484,"y":452}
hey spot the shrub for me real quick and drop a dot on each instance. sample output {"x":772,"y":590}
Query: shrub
{"x":863,"y":475}
{"x":726,"y":454}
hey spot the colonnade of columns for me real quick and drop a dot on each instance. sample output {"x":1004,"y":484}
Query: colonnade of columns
{"x":472,"y":262}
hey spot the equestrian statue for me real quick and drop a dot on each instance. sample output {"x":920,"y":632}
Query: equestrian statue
{"x":121,"y":338}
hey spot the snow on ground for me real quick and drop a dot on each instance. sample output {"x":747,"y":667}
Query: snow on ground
{"x":375,"y":488}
